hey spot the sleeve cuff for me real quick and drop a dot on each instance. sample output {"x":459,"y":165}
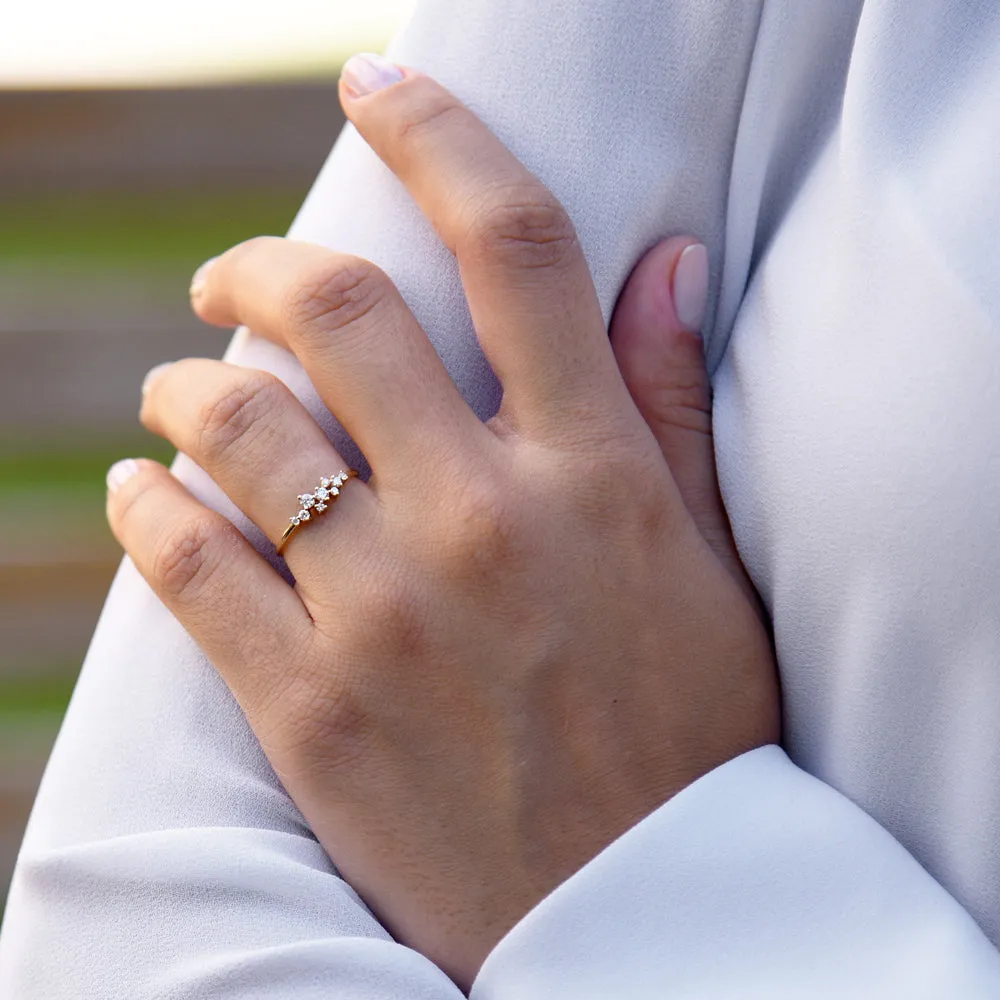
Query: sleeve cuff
{"x":757,"y":880}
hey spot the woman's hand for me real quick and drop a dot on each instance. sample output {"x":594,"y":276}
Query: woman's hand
{"x":518,"y":638}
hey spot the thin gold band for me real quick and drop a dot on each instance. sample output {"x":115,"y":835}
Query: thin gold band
{"x":316,"y":503}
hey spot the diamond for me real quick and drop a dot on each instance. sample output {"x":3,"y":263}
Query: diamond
{"x":324,"y":482}
{"x":303,"y":515}
{"x":335,"y":492}
{"x":294,"y":520}
{"x":320,"y":507}
{"x":307,"y":499}
{"x":322,"y":494}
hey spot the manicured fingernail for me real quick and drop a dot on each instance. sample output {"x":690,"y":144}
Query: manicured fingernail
{"x":120,"y":473}
{"x":366,"y":72}
{"x":201,"y":276}
{"x":153,"y":374}
{"x":690,"y":287}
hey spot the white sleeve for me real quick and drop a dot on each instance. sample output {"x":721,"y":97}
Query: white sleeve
{"x":757,"y":881}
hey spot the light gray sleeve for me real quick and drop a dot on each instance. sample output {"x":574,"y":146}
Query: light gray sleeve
{"x":757,"y":881}
{"x":163,"y":858}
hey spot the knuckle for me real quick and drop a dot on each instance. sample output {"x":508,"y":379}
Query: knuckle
{"x":395,"y":614}
{"x":685,"y":409}
{"x":632,"y":483}
{"x":229,"y":420}
{"x":482,"y":532}
{"x":527,"y":229}
{"x":681,"y":397}
{"x":186,"y":557}
{"x":334,"y":296}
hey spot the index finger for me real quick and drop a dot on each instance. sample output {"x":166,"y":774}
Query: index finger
{"x":529,"y":289}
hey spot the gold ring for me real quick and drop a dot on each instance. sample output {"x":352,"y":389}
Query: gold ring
{"x":313,"y":504}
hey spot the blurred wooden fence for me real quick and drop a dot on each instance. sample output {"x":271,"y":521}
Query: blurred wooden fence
{"x":59,"y":140}
{"x":75,"y":339}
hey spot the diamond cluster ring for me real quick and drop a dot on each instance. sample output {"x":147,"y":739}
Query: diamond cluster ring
{"x":313,"y":504}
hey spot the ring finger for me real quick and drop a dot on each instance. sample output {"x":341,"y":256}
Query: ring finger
{"x":247,"y":430}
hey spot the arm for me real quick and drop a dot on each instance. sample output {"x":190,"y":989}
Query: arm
{"x":756,"y":877}
{"x":163,"y":855}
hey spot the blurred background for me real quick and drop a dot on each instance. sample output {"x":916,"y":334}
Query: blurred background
{"x":136,"y":141}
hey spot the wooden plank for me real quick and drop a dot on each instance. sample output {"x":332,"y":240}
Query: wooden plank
{"x":256,"y":133}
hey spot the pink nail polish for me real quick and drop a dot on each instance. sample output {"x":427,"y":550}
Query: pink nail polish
{"x":690,"y":287}
{"x":153,"y":374}
{"x":201,"y":277}
{"x":366,"y":72}
{"x":120,"y":473}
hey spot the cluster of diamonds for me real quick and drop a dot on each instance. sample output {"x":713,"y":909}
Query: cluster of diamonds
{"x":321,"y":498}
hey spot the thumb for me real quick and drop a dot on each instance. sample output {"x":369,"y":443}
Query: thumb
{"x":655,"y":337}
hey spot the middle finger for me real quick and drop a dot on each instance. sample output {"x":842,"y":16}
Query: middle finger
{"x":529,"y":288}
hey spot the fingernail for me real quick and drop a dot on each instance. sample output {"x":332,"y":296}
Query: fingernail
{"x":690,"y":287}
{"x":366,"y":72}
{"x":201,"y":276}
{"x":153,"y":374}
{"x":120,"y":473}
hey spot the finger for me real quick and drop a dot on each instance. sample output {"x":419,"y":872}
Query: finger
{"x":258,"y":442}
{"x":362,"y":348}
{"x":529,"y":289}
{"x":232,"y":602}
{"x":655,"y":337}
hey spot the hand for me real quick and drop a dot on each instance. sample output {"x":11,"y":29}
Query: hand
{"x":514,"y":641}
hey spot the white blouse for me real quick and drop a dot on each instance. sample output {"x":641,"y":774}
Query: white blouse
{"x":842,"y":162}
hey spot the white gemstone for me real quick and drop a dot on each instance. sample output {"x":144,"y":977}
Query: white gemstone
{"x":307,"y":501}
{"x":324,"y":482}
{"x":322,"y":493}
{"x":320,"y":507}
{"x":303,"y":515}
{"x":335,"y":492}
{"x":294,"y":520}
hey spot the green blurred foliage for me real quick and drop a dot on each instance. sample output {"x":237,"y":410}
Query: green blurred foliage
{"x":126,"y":229}
{"x":75,"y":466}
{"x":116,"y":233}
{"x":46,"y":694}
{"x":57,"y":555}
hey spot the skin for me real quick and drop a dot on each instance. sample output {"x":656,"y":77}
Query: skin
{"x":538,"y":629}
